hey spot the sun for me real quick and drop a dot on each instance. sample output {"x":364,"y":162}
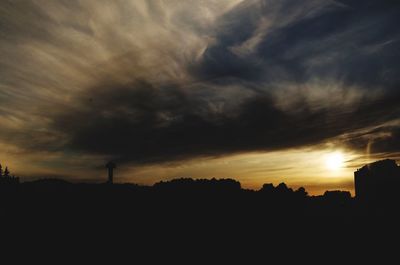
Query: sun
{"x":334,"y":161}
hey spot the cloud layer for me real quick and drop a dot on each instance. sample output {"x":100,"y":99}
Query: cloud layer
{"x":160,"y":81}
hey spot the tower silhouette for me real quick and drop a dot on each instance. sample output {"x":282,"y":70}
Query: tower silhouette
{"x":111,"y":166}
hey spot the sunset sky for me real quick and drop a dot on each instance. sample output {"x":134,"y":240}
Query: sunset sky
{"x":301,"y":92}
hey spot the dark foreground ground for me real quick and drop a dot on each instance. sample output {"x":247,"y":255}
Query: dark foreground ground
{"x":205,"y":222}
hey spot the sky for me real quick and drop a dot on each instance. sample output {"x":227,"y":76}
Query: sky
{"x":261,"y":91}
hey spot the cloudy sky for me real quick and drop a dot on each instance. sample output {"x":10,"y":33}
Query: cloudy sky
{"x":257,"y":90}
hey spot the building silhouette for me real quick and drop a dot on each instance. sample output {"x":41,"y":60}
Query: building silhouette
{"x":378,"y":181}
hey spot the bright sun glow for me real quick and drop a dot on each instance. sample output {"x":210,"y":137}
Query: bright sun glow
{"x":334,"y":161}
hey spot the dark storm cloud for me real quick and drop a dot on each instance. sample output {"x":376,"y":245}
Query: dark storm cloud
{"x":160,"y":81}
{"x":144,"y":124}
{"x":354,"y":41}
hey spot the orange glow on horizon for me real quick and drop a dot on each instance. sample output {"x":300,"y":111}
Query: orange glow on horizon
{"x":296,"y":168}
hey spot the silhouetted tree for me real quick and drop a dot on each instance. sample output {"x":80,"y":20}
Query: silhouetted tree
{"x":283,"y":188}
{"x":6,"y":172}
{"x":1,"y":171}
{"x":267,"y":188}
{"x":301,"y":192}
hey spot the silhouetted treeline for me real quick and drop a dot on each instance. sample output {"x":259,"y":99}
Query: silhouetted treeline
{"x":6,"y":177}
{"x":205,"y":194}
{"x":199,"y":218}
